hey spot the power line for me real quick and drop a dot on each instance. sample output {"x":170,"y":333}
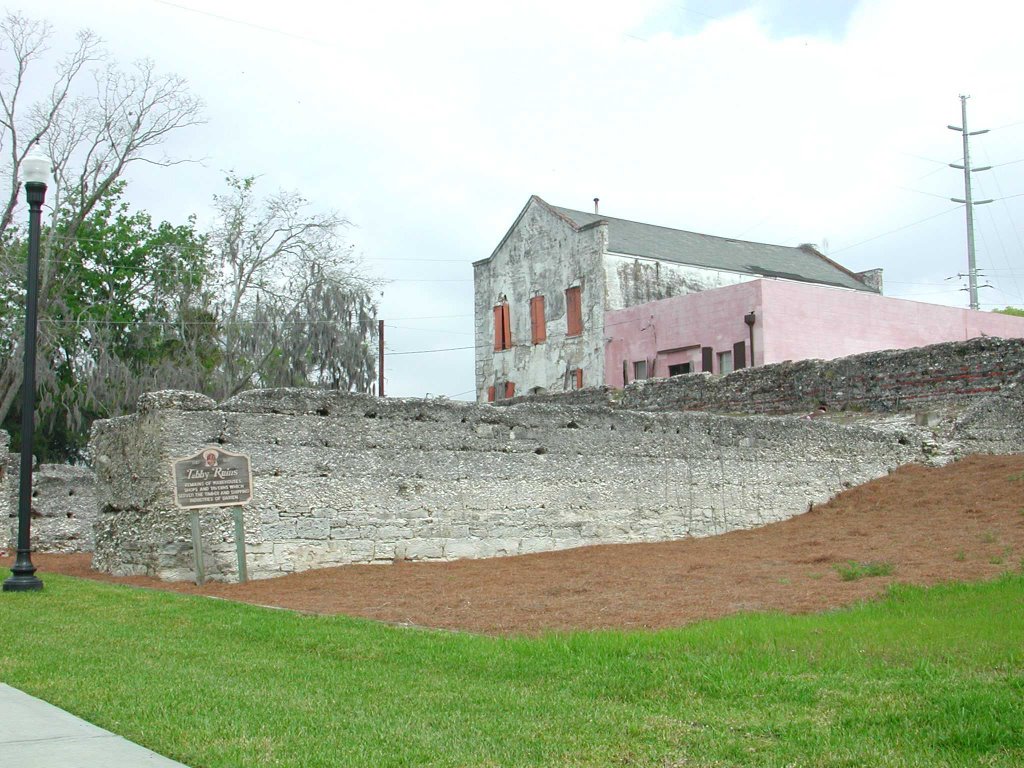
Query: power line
{"x":683,"y":7}
{"x":427,"y":280}
{"x":431,"y":330}
{"x":241,"y":22}
{"x":199,"y":247}
{"x":926,"y":159}
{"x":173,"y":324}
{"x":113,"y":270}
{"x":427,"y":317}
{"x":999,"y":236}
{"x":922,"y":192}
{"x":933,"y":172}
{"x":428,"y":351}
{"x":1008,"y":125}
{"x":898,"y":229}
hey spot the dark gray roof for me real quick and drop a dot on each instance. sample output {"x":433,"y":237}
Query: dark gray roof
{"x":650,"y":241}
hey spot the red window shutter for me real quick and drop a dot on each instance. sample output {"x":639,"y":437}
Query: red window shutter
{"x":537,"y":324}
{"x":573,"y":311}
{"x":510,"y":389}
{"x":490,"y":394}
{"x":579,"y":378}
{"x":506,"y":327}
{"x":498,"y":328}
{"x":502,"y":328}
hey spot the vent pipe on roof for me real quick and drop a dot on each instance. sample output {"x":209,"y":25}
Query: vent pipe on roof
{"x":596,"y":201}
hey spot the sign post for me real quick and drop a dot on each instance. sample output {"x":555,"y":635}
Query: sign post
{"x":213,"y":477}
{"x":243,"y":574}
{"x":197,"y":550}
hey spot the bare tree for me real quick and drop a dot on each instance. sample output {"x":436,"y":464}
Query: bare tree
{"x":94,"y":121}
{"x":294,"y":309}
{"x":23,"y":42}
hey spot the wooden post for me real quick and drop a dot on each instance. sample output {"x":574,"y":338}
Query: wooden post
{"x":380,"y":364}
{"x":243,"y":575}
{"x":197,"y":550}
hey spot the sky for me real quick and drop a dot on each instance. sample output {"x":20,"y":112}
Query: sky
{"x":429,"y":124}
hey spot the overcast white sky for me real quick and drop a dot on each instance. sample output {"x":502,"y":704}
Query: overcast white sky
{"x":430,"y":124}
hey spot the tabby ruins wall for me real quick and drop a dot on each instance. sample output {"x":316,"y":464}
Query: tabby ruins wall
{"x":341,"y":478}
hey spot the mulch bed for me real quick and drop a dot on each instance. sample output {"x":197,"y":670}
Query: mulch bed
{"x":962,"y":522}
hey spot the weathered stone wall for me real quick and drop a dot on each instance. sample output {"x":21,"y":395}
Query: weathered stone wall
{"x":892,"y":381}
{"x":63,"y":504}
{"x":632,"y":281}
{"x":542,"y":255}
{"x":5,"y":486}
{"x":342,"y":478}
{"x":993,"y":424}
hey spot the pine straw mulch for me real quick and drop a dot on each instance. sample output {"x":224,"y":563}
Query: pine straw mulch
{"x":962,"y":522}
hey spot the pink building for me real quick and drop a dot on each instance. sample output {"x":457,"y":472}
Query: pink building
{"x":770,"y":321}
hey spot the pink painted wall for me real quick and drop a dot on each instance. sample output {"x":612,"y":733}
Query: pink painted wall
{"x":673,"y":330}
{"x":795,"y":321}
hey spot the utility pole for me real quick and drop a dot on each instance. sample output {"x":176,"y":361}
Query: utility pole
{"x":968,"y":201}
{"x":380,"y":353}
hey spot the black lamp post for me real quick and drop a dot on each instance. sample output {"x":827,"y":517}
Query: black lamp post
{"x":35,"y":170}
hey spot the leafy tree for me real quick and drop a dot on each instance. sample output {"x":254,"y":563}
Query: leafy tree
{"x":129,"y":311}
{"x":1015,"y":311}
{"x":94,"y":121}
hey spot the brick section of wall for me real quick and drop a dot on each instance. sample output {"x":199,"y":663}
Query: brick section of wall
{"x":342,"y":478}
{"x":953,"y":373}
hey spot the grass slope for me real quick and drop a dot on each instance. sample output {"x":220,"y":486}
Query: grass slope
{"x":924,"y":678}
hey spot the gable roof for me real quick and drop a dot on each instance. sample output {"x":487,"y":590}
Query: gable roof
{"x":633,"y":238}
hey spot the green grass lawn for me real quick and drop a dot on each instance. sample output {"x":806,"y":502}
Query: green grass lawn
{"x":924,"y":678}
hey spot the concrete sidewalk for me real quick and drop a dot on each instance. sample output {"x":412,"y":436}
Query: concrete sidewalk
{"x":34,"y":734}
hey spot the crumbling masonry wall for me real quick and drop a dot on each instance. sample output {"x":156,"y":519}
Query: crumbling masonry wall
{"x":341,"y":478}
{"x":887,"y":381}
{"x":951,"y":374}
{"x":63,"y":504}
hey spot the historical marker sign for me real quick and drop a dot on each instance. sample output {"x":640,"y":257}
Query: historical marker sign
{"x":212,"y":477}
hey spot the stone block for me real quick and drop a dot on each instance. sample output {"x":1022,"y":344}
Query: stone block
{"x":423,"y":549}
{"x":312,"y":528}
{"x":279,"y":531}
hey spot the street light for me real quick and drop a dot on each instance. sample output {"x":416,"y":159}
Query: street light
{"x":35,"y":169}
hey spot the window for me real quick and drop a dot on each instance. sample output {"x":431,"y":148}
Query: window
{"x":675,"y":370}
{"x":502,"y":390}
{"x":574,"y":311}
{"x":707,"y":357}
{"x":576,"y":378}
{"x":739,"y":355}
{"x":639,"y":370}
{"x":538,"y":329}
{"x":502,"y":328}
{"x":725,"y":362}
